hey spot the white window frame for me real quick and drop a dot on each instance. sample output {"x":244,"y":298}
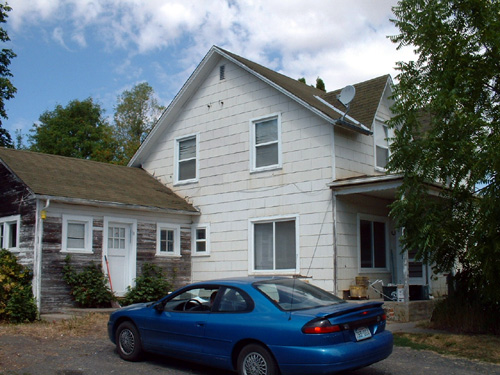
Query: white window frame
{"x":251,"y":246}
{"x":5,"y":223}
{"x":177,"y":239}
{"x":87,"y":221}
{"x":373,"y":218}
{"x":194,"y":240}
{"x":253,"y":146}
{"x":178,"y":140}
{"x":377,"y":142}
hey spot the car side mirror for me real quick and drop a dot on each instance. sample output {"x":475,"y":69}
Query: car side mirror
{"x":159,"y":307}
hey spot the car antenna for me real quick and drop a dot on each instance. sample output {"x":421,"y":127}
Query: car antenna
{"x":291,"y":302}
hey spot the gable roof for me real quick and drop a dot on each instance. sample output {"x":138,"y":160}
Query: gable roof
{"x":367,"y":100}
{"x":82,"y":181}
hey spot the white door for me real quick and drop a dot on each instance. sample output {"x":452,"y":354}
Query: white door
{"x":119,"y":252}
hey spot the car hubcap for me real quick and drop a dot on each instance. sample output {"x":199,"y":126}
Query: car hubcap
{"x":254,"y":364}
{"x":127,"y":341}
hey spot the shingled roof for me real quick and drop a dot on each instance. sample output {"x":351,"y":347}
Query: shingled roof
{"x":88,"y":181}
{"x":362,"y":109}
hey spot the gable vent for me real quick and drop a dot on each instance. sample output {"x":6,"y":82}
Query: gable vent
{"x":222,"y":72}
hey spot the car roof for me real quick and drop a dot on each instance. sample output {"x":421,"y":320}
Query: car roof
{"x":244,"y":280}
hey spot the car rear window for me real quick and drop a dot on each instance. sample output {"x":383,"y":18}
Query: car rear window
{"x":293,"y":294}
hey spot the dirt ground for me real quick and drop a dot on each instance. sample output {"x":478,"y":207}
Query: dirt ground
{"x":81,"y":347}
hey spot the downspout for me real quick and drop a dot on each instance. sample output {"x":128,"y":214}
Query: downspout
{"x":41,"y":214}
{"x":334,"y":214}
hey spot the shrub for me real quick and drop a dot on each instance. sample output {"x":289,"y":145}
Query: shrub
{"x":467,"y":309}
{"x":17,"y":303}
{"x":89,"y":287}
{"x":150,"y":286}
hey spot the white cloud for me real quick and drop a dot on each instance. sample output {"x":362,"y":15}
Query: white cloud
{"x":325,"y":38}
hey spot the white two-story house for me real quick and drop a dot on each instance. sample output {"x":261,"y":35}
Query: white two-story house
{"x":286,"y":183}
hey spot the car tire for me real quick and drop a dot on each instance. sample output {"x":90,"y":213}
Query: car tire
{"x":254,"y":359}
{"x":128,"y":342}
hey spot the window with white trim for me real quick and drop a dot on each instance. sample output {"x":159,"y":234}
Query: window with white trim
{"x":201,"y":240}
{"x":9,"y":232}
{"x":77,"y":234}
{"x":266,"y":143}
{"x":186,"y":156}
{"x":275,"y":245}
{"x":372,"y":235}
{"x":168,"y":240}
{"x":381,"y":144}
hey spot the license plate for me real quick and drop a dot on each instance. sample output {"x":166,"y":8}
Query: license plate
{"x":362,"y":333}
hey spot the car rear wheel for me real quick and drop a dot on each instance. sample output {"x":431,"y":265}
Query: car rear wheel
{"x":128,"y":342}
{"x":256,"y":360}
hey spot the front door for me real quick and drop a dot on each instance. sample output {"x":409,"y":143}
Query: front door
{"x":120,"y":256}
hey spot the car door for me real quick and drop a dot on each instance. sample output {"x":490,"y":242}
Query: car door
{"x":228,"y":322}
{"x":180,"y":328}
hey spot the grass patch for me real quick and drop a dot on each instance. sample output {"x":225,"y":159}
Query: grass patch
{"x":475,"y":347}
{"x":89,"y":325}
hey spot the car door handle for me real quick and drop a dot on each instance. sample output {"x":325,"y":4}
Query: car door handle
{"x":200,"y":324}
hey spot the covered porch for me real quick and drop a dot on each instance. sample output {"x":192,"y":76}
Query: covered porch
{"x":367,"y":247}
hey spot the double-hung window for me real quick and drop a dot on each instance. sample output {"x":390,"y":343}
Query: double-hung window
{"x":77,"y":234}
{"x":201,"y":240}
{"x":186,"y":156}
{"x":168,"y":240}
{"x":275,"y":245}
{"x":9,"y":232}
{"x":266,"y":143}
{"x":381,"y":144}
{"x":372,"y":243}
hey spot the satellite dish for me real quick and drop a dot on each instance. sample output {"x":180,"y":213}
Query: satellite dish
{"x":347,"y":95}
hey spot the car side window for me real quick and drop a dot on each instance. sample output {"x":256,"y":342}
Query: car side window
{"x":233,"y":300}
{"x":192,"y":300}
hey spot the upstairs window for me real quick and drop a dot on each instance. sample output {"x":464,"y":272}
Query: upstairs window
{"x":187,"y":159}
{"x":266,"y":143}
{"x":381,"y":144}
{"x":9,"y":232}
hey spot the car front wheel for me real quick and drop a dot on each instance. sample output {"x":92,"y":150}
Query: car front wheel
{"x":128,"y":342}
{"x":256,"y":360}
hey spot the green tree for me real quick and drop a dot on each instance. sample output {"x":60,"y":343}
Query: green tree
{"x":447,"y":126}
{"x":78,"y":130}
{"x":135,"y":115}
{"x":320,"y":84}
{"x":7,"y":89}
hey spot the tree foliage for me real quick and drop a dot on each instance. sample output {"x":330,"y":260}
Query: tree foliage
{"x":7,"y":89}
{"x":78,"y":130}
{"x":447,"y":127}
{"x":135,"y":114}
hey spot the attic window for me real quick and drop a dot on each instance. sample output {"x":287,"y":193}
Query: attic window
{"x":222,"y":72}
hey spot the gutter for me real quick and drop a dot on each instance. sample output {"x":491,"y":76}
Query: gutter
{"x":136,"y":207}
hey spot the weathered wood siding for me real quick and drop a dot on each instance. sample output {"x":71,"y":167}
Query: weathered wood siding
{"x":16,"y":199}
{"x":56,"y":293}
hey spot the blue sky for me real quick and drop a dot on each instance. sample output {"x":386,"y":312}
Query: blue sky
{"x":75,"y":49}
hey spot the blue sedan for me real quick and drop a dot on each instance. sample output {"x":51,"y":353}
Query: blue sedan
{"x":255,"y":326}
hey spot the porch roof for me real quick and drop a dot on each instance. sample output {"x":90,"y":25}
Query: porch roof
{"x":379,"y":186}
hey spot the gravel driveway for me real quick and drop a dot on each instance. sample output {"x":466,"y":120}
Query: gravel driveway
{"x":22,"y":355}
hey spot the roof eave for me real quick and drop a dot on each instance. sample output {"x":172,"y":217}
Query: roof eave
{"x":117,"y":205}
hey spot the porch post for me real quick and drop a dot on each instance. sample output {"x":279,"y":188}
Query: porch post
{"x":406,"y":274}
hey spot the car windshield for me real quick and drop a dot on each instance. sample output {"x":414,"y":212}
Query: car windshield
{"x":293,"y":294}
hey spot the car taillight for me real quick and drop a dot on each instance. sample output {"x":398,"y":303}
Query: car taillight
{"x":320,"y":326}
